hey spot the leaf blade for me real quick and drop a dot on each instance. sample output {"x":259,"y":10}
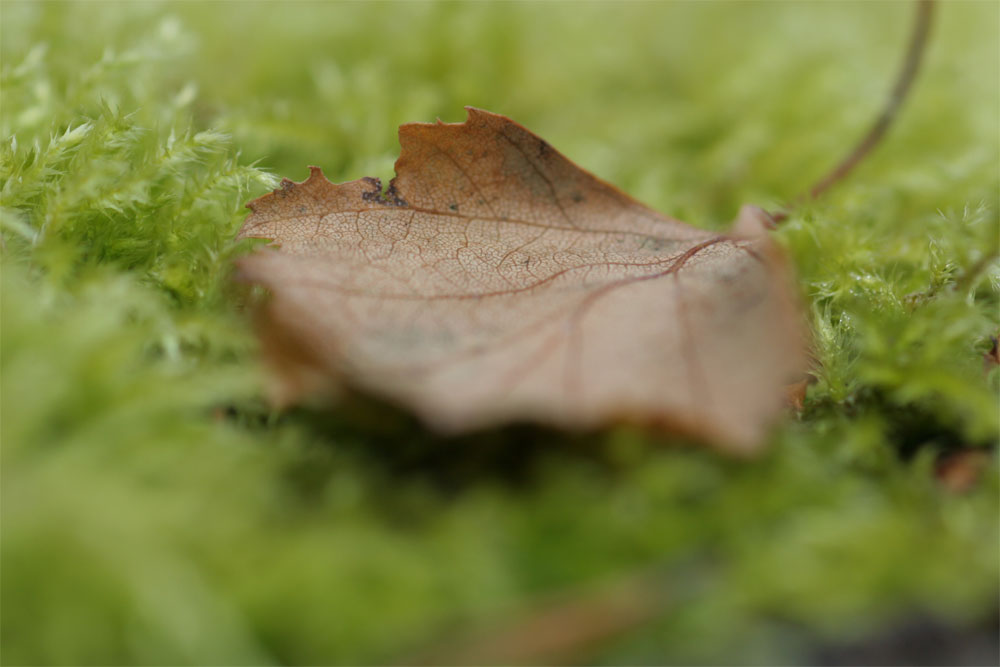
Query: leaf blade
{"x":496,"y":281}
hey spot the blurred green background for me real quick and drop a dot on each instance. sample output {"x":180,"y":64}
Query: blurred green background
{"x":154,"y":510}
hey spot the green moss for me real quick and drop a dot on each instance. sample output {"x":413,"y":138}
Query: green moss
{"x":154,"y":511}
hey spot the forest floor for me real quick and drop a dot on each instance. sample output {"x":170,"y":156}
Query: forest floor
{"x":155,"y":509}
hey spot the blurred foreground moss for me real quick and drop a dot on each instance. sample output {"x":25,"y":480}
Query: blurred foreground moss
{"x":154,"y":511}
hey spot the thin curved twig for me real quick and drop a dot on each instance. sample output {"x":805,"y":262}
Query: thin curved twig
{"x":904,"y":81}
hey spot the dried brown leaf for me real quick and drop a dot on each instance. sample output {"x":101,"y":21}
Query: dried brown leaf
{"x":496,"y":281}
{"x":992,"y":357}
{"x":960,"y":471}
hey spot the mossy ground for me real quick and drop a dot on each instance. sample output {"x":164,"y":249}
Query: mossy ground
{"x":154,"y":510}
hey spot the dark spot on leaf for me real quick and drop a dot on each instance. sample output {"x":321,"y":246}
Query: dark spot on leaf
{"x":392,"y":195}
{"x":376,"y":196}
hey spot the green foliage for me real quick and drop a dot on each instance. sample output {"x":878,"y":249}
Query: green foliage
{"x":102,"y":189}
{"x":154,"y":511}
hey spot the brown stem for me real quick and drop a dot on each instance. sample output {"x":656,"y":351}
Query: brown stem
{"x":911,"y":64}
{"x":965,"y":281}
{"x":564,"y":630}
